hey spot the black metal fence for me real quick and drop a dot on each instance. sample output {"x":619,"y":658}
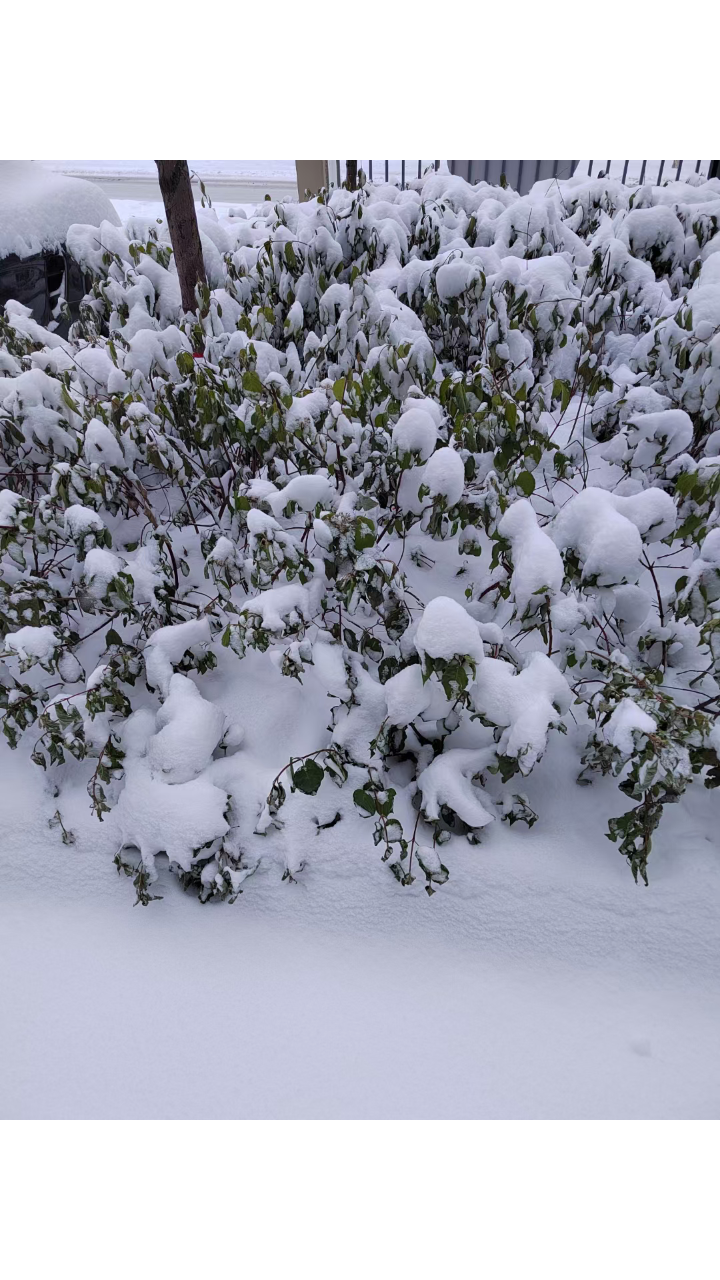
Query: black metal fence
{"x":387,"y":170}
{"x":521,"y":175}
{"x":674,"y":172}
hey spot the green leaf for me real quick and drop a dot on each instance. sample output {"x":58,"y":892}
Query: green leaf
{"x":308,"y":777}
{"x":251,"y":382}
{"x":561,"y":392}
{"x":526,"y":483}
{"x":364,"y":533}
{"x":339,"y":388}
{"x":385,"y":806}
{"x":364,"y":800}
{"x":290,"y":257}
{"x":68,"y":401}
{"x":511,"y":414}
{"x":685,"y":482}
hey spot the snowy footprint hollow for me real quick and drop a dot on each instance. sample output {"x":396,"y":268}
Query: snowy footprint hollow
{"x":421,"y":506}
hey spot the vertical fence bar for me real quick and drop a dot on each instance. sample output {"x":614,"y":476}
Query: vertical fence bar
{"x":470,"y":171}
{"x":387,"y":162}
{"x":370,"y":169}
{"x":679,"y":171}
{"x":419,"y":168}
{"x":642,"y":172}
{"x":520,"y":173}
{"x":437,"y":165}
{"x":337,"y":165}
{"x":607,"y":168}
{"x":625,"y":169}
{"x":660,"y":171}
{"x":697,"y":166}
{"x":485,"y":171}
{"x":555,"y":168}
{"x":590,"y":169}
{"x":402,"y":175}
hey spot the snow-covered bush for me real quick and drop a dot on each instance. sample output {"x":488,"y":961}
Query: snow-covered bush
{"x":447,"y":458}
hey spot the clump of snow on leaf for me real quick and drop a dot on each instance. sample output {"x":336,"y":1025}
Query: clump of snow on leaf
{"x":538,"y":566}
{"x":446,"y":630}
{"x":524,"y":703}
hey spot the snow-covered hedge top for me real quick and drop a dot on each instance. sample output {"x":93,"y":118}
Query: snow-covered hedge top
{"x":449,"y":462}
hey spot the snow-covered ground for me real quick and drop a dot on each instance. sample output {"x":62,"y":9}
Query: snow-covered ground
{"x":231,"y":181}
{"x":283,"y":170}
{"x":541,"y":982}
{"x":154,"y":208}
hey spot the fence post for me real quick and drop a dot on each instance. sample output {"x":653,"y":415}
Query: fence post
{"x":714,"y":170}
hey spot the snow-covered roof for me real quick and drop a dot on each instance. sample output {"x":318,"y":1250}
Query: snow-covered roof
{"x":37,"y":207}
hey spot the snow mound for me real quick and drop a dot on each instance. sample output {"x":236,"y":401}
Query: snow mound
{"x":538,"y":567}
{"x":189,"y":731}
{"x":155,"y":817}
{"x":524,"y":703}
{"x":446,"y":630}
{"x":37,"y":207}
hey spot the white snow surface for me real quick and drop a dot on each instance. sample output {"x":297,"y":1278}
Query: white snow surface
{"x":166,"y":647}
{"x":157,"y":817}
{"x":279,"y":603}
{"x":446,"y":630}
{"x":607,"y":530}
{"x":33,"y":644}
{"x":522,"y":990}
{"x":407,"y":695}
{"x":415,"y":431}
{"x":189,"y":731}
{"x":444,"y":475}
{"x":523,"y":703}
{"x":37,"y":206}
{"x":628,"y":718}
{"x":537,"y":563}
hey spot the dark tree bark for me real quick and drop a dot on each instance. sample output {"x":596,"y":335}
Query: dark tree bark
{"x":177,"y":197}
{"x":351,"y":175}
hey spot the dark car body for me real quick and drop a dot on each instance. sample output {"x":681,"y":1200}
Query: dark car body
{"x":41,"y":282}
{"x":38,"y":206}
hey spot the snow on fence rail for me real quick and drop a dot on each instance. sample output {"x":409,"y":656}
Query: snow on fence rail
{"x":522,"y":174}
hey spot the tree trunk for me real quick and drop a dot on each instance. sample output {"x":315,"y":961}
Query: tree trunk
{"x":177,"y":197}
{"x":351,"y":175}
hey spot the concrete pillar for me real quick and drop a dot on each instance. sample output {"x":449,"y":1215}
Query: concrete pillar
{"x":311,"y":176}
